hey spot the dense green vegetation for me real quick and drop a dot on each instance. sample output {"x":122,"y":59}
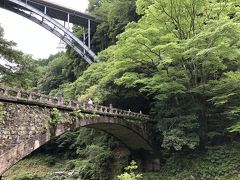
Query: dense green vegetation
{"x":178,"y":60}
{"x":219,"y":162}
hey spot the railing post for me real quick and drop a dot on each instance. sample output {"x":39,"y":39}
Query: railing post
{"x":84,"y":105}
{"x":106,"y":110}
{"x":101,"y":109}
{"x":5,"y":92}
{"x":70,"y":103}
{"x":110,"y":107}
{"x":40,"y":98}
{"x":30,"y":96}
{"x":77,"y":104}
{"x":129,"y":111}
{"x":95,"y":107}
{"x":60,"y":100}
{"x":50,"y":100}
{"x":18,"y":94}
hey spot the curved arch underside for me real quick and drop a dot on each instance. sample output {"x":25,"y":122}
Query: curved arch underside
{"x":133,"y":136}
{"x":126,"y":135}
{"x":45,"y":21}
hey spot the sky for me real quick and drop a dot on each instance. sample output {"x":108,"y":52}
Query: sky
{"x":29,"y":36}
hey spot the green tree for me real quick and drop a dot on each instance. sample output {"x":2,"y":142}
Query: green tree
{"x":16,"y":69}
{"x":25,"y":74}
{"x":174,"y":55}
{"x":7,"y":53}
{"x":226,"y":97}
{"x":55,"y":73}
{"x":130,"y":173}
{"x":114,"y":16}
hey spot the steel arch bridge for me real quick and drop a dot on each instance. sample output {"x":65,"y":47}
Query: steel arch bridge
{"x":45,"y":13}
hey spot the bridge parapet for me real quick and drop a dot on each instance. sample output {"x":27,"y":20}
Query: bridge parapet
{"x":29,"y":97}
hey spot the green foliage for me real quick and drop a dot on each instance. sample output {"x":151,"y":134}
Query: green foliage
{"x":16,"y":69}
{"x":54,"y":74}
{"x":226,"y":95}
{"x":86,"y":171}
{"x":235,"y":128}
{"x":54,"y":120}
{"x":220,"y":162}
{"x":130,"y":172}
{"x":115,"y":15}
{"x":86,"y":151}
{"x":178,"y":139}
{"x":75,"y":65}
{"x":98,"y":165}
{"x":24,"y":75}
{"x":64,"y":146}
{"x":76,"y":114}
{"x":70,"y":165}
{"x":94,"y":4}
{"x":50,"y":161}
{"x":8,"y":54}
{"x":176,"y":56}
{"x":34,"y":167}
{"x":55,"y":117}
{"x":28,"y":177}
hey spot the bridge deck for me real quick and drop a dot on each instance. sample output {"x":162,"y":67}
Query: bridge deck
{"x":59,"y":12}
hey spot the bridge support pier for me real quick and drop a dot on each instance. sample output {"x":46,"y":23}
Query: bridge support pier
{"x":147,"y":162}
{"x":152,"y":164}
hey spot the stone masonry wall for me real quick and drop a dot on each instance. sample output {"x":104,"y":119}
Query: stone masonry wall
{"x":21,"y":122}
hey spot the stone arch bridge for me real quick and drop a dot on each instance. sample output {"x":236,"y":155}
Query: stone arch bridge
{"x":24,"y":123}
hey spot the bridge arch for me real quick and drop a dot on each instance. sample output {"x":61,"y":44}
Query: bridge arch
{"x":34,"y":14}
{"x":133,"y":136}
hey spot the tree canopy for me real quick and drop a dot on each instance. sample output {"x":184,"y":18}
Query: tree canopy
{"x":177,"y":56}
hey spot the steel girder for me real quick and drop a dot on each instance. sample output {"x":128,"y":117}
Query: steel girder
{"x":35,"y":15}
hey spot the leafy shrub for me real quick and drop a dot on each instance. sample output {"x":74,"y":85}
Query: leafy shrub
{"x":54,"y":121}
{"x":86,"y":170}
{"x":98,"y":164}
{"x":28,"y":177}
{"x":70,"y":165}
{"x":130,"y":173}
{"x":220,"y":162}
{"x":50,"y":161}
